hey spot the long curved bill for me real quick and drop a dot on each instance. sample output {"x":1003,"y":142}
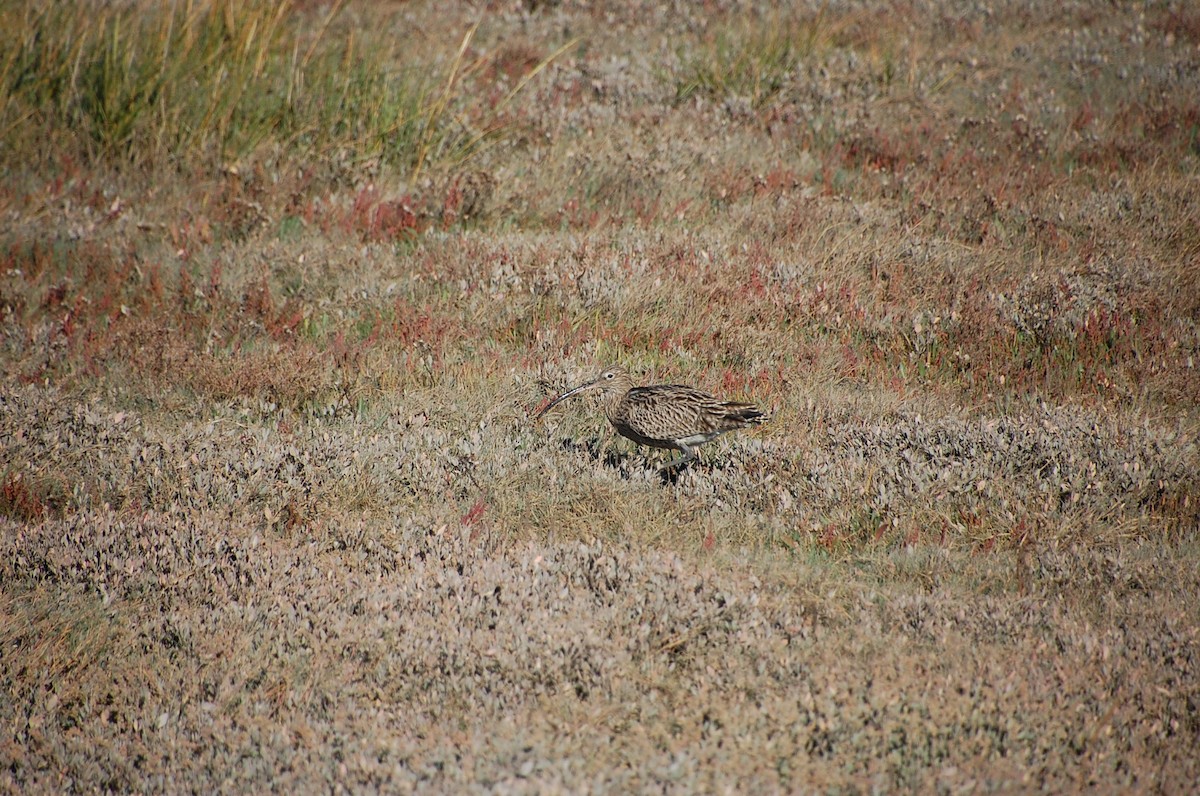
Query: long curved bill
{"x":564,"y":396}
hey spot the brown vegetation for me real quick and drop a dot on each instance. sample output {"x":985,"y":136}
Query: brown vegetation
{"x":272,"y":510}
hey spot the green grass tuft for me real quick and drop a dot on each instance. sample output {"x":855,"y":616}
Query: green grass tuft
{"x":754,"y":62}
{"x":147,"y":82}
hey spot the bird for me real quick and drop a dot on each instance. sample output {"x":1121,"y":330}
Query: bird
{"x":670,"y":416}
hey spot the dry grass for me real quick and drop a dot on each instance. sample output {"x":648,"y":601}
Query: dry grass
{"x":272,"y":510}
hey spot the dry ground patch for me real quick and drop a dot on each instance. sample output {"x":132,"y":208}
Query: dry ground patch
{"x":272,"y":513}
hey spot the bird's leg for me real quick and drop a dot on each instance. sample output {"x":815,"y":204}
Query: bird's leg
{"x":606,"y":439}
{"x":689,"y":453}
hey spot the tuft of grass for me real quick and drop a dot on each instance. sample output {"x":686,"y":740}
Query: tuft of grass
{"x":148,"y":82}
{"x":755,"y":62}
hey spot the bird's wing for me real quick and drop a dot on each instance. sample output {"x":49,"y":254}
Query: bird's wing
{"x":665,"y":411}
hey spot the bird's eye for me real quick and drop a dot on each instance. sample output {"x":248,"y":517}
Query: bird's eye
{"x":608,"y":375}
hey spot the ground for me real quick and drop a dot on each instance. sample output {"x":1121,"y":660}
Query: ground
{"x":273,"y":510}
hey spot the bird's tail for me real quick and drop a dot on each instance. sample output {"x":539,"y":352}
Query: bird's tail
{"x":744,"y":414}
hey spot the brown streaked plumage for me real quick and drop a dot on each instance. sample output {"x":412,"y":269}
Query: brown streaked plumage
{"x":669,"y":416}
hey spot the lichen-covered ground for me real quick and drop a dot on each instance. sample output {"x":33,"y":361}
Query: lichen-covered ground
{"x":273,"y":515}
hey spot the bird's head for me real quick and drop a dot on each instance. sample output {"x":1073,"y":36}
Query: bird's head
{"x":612,"y":381}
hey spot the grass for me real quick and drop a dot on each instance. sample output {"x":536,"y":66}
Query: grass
{"x":280,"y":284}
{"x":755,"y":62}
{"x":218,"y":82}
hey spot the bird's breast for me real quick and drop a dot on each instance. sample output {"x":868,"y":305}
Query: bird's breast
{"x":640,"y":436}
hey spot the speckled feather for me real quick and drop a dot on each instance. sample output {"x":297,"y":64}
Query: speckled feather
{"x":662,"y":414}
{"x":671,"y":416}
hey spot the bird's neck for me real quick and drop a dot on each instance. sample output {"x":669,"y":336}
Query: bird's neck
{"x":612,"y":400}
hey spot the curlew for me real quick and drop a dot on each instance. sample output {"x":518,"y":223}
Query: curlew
{"x":670,"y":416}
